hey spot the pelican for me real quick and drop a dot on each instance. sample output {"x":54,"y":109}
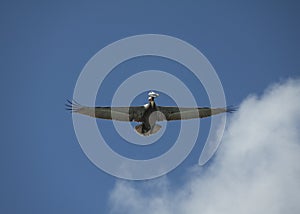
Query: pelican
{"x":147,"y":115}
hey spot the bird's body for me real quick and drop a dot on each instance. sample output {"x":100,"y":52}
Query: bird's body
{"x":149,"y":119}
{"x":147,"y":115}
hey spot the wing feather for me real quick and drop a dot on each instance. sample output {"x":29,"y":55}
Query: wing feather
{"x":175,"y":113}
{"x":133,"y":113}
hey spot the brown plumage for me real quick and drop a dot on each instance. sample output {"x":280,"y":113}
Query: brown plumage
{"x":147,"y":114}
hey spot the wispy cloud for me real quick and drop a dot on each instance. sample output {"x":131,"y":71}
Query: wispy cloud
{"x":256,"y":169}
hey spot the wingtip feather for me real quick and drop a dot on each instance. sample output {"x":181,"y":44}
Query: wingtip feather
{"x":72,"y":106}
{"x":231,"y":109}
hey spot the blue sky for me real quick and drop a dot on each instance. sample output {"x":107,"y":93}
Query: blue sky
{"x":45,"y":45}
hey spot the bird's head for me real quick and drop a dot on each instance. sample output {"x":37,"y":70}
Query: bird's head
{"x":153,"y":94}
{"x":151,"y":97}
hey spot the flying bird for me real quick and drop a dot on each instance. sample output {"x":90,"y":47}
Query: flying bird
{"x":147,"y":114}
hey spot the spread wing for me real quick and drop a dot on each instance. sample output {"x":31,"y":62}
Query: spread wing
{"x":176,"y":113}
{"x":133,"y":113}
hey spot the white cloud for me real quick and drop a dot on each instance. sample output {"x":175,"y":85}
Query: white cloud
{"x":256,"y":169}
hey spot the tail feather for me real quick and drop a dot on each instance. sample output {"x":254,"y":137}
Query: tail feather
{"x":153,"y":130}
